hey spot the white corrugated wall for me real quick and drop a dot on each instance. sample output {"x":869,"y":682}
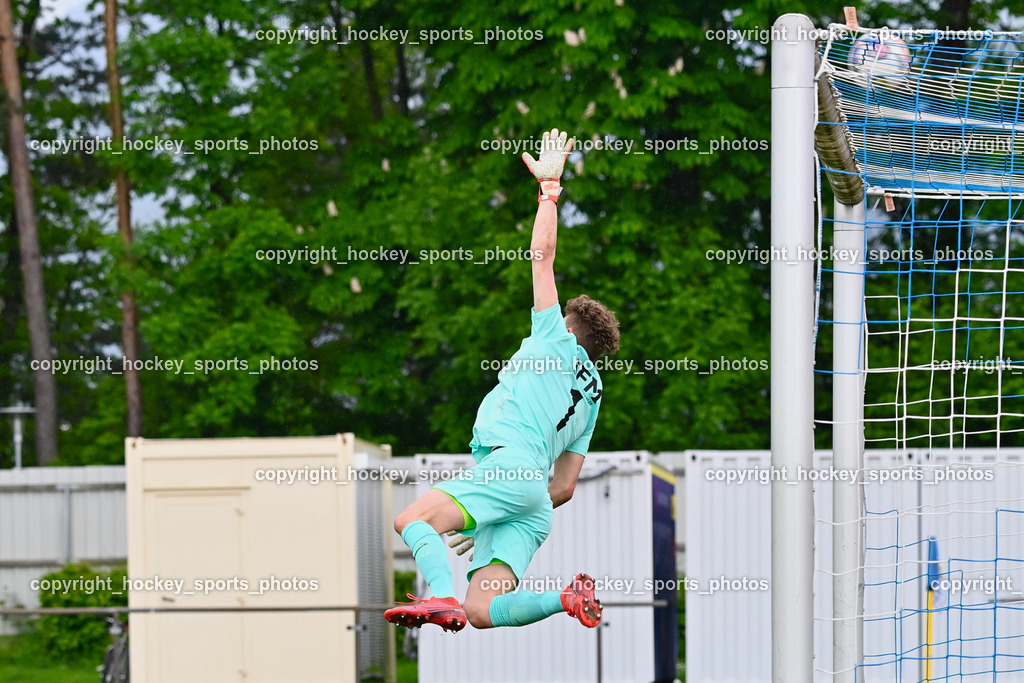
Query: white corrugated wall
{"x":728,"y":535}
{"x":33,"y":524}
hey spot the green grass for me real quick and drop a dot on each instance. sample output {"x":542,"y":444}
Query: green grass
{"x":405,"y":669}
{"x":407,"y":672}
{"x":19,"y":661}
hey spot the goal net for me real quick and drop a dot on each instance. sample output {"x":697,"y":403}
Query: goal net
{"x":920,"y":142}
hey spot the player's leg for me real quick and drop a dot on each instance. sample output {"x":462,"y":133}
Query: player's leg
{"x":519,"y":608}
{"x":420,"y":525}
{"x":501,"y":554}
{"x":493,"y":601}
{"x":488,"y":583}
{"x":481,"y":495}
{"x":437,"y":509}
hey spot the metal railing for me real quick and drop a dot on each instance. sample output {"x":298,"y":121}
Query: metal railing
{"x":118,"y":611}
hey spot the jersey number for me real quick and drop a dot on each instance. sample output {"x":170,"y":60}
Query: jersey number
{"x":576,"y":397}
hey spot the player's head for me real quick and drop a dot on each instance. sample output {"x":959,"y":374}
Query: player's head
{"x":595,"y":327}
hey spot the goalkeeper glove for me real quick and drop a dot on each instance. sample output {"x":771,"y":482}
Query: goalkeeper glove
{"x":461,"y":544}
{"x":548,"y":168}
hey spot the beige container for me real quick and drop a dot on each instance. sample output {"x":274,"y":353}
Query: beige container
{"x":210,"y":526}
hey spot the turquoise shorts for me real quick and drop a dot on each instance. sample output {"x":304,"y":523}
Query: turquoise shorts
{"x":506,"y":493}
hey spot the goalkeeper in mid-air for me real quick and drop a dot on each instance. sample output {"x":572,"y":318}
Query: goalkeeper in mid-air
{"x":532,"y":421}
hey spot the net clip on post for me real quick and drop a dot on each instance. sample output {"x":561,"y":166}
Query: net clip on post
{"x":851,"y":18}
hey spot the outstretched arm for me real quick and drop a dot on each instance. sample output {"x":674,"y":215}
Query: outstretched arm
{"x":548,"y":171}
{"x":545,"y":236}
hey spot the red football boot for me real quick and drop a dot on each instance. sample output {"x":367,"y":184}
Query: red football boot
{"x":445,"y":612}
{"x":580,"y":603}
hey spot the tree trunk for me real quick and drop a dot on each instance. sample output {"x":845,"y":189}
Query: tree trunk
{"x":366,"y":53}
{"x":403,"y":80}
{"x":129,"y":316}
{"x":376,"y":106}
{"x":28,"y":235}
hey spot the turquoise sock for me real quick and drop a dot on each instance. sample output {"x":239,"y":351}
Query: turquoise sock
{"x":431,"y":556}
{"x":520,"y":609}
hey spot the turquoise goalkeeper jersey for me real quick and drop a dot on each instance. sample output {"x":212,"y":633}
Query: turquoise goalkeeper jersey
{"x":547,"y":398}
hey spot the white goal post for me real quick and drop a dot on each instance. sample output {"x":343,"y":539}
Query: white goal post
{"x":795,"y":109}
{"x":792,"y":349}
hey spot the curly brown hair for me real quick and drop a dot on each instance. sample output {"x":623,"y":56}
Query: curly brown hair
{"x":596,"y":328}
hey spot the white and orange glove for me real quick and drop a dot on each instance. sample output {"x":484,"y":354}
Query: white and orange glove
{"x":548,"y":168}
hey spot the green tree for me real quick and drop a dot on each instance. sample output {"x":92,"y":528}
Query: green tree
{"x":324,"y":148}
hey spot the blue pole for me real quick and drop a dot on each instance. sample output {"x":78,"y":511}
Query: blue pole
{"x":933,"y":564}
{"x":933,"y":585}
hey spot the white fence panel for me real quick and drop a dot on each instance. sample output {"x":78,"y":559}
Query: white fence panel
{"x":53,"y":515}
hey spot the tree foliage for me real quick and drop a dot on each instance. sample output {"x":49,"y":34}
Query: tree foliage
{"x":339,"y":146}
